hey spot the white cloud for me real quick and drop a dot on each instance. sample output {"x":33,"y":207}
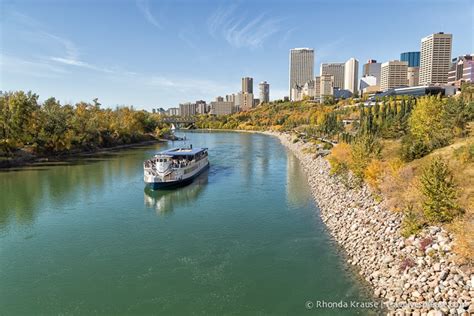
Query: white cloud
{"x":144,"y":7}
{"x":34,"y":68}
{"x":189,"y":86}
{"x":242,"y":32}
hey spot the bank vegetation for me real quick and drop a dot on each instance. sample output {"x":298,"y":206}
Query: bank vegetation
{"x":417,"y":154}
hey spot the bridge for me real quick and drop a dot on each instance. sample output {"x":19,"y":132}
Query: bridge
{"x":179,"y":122}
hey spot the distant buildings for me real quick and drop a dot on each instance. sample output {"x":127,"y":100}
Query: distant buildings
{"x":371,"y":73}
{"x":336,"y":70}
{"x":412,"y":58}
{"x":326,"y":86}
{"x":264,"y":92}
{"x":351,"y":75}
{"x":301,"y":69}
{"x":413,"y":76}
{"x":246,"y":101}
{"x":317,"y":87}
{"x":246,"y":95}
{"x":173,"y":112}
{"x":247,"y":85}
{"x":435,"y":58}
{"x":309,"y":89}
{"x":221,"y":107}
{"x":372,"y":68}
{"x":461,"y":70}
{"x":368,"y":84}
{"x":187,"y":109}
{"x":413,"y":71}
{"x":201,"y":107}
{"x":394,"y":75}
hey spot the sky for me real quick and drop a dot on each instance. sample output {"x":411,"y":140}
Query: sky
{"x":152,"y":54}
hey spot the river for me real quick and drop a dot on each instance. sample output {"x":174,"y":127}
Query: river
{"x":85,"y":237}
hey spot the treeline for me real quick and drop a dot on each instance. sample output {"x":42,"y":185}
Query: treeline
{"x":52,"y":128}
{"x":282,"y":116}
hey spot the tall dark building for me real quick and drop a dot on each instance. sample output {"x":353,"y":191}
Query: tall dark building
{"x":247,"y":85}
{"x":413,"y":58}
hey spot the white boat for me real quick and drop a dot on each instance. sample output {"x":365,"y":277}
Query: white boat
{"x":175,"y":167}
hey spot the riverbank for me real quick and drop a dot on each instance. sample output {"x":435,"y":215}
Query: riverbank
{"x":28,"y":160}
{"x":417,"y":275}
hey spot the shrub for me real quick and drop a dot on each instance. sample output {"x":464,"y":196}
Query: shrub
{"x":373,"y":173}
{"x":406,"y":263}
{"x":327,"y":146}
{"x":340,"y":158}
{"x":439,"y":192}
{"x":425,"y":243}
{"x":412,"y":224}
{"x":413,"y":148}
{"x":363,"y":150}
{"x":465,"y":153}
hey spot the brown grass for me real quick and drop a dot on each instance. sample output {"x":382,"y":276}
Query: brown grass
{"x":400,"y":188}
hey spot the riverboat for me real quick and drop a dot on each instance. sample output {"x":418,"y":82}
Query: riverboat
{"x":175,"y":167}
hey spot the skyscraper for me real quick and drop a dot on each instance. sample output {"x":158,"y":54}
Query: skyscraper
{"x":326,"y":85}
{"x":187,"y":109}
{"x":351,"y":75}
{"x":394,"y":75}
{"x":317,"y":86}
{"x":301,"y":68}
{"x":413,"y":74}
{"x":247,"y":85}
{"x":264,"y":88}
{"x":413,"y":58}
{"x":435,"y":58}
{"x":336,"y":70}
{"x":372,"y":68}
{"x":461,"y":70}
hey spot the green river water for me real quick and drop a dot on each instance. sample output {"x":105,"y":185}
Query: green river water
{"x":86,"y":238}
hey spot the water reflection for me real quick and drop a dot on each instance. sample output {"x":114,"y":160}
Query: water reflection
{"x":296,"y":188}
{"x":164,"y":201}
{"x":48,"y":186}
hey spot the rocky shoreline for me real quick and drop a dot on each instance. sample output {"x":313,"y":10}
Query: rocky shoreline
{"x":411,"y":276}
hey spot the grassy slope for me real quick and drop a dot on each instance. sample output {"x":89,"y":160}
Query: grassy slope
{"x":463,"y":174}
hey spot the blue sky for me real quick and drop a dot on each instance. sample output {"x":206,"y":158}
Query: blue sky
{"x":160,"y":53}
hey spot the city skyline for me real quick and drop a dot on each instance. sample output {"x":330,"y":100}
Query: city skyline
{"x":146,"y":63}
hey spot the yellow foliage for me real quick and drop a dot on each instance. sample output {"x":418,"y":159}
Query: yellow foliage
{"x":340,"y":158}
{"x":373,"y":174}
{"x":342,"y":153}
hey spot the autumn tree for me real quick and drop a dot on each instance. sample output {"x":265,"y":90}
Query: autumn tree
{"x":439,"y":192}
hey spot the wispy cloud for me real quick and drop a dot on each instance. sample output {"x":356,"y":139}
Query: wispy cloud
{"x":329,"y":49}
{"x":193,"y":86}
{"x":242,"y":32}
{"x":33,"y":68}
{"x":144,"y":7}
{"x":286,"y":36}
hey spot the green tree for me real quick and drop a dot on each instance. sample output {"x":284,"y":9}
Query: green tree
{"x":16,"y":119}
{"x":363,"y":150}
{"x":427,"y":122}
{"x":439,"y":192}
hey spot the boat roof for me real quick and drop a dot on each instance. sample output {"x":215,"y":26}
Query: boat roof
{"x":182,"y":151}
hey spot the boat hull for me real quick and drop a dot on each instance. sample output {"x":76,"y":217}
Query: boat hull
{"x":177,"y":183}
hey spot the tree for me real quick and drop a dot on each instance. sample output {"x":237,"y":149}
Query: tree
{"x":363,"y":150}
{"x":16,"y":119}
{"x":439,"y":192}
{"x":427,"y":123}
